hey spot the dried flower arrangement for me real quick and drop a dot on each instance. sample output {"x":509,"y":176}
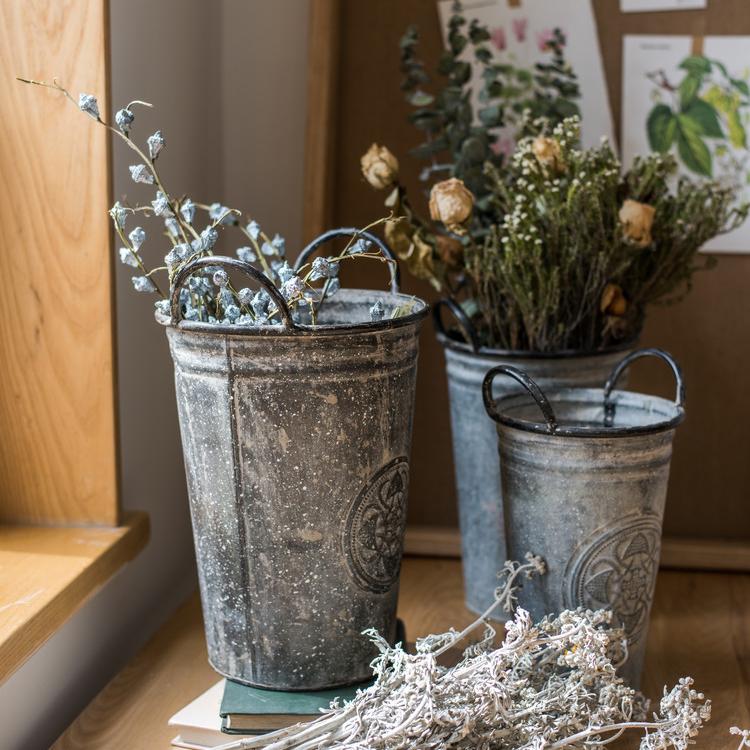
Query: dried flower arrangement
{"x":552,"y":248}
{"x":577,"y":251}
{"x":209,"y":295}
{"x":582,"y":249}
{"x":550,"y":685}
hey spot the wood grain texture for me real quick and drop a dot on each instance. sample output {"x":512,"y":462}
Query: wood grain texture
{"x":320,"y":129}
{"x":48,"y":573}
{"x":706,"y":332}
{"x":676,"y":553}
{"x":700,"y":626}
{"x":57,"y":412}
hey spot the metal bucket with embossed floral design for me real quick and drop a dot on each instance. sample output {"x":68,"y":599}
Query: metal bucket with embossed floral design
{"x":475,"y":461}
{"x":296,"y":442}
{"x":584,"y":487}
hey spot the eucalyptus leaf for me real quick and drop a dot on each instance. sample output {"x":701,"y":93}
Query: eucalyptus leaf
{"x":491,"y":116}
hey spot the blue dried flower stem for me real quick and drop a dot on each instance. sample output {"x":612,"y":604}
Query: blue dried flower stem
{"x":124,"y":136}
{"x":137,"y":256}
{"x":258,"y":252}
{"x":343,"y":256}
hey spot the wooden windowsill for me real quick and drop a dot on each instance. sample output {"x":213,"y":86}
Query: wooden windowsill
{"x":47,"y":573}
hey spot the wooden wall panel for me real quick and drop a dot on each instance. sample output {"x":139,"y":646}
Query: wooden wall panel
{"x":320,"y":128}
{"x":57,"y":412}
{"x":708,"y":332}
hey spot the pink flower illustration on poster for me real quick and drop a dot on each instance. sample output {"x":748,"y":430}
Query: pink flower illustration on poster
{"x":498,"y":38}
{"x":543,"y":39}
{"x":520,"y":25}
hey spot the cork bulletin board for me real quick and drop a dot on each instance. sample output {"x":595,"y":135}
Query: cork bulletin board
{"x":354,"y":99}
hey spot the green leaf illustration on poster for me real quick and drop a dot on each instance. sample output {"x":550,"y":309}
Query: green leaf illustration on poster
{"x":698,"y":114}
{"x":661,"y":127}
{"x":690,"y":146}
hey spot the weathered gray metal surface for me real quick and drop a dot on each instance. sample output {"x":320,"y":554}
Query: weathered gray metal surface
{"x":296,"y":445}
{"x":584,"y":486}
{"x":475,"y":459}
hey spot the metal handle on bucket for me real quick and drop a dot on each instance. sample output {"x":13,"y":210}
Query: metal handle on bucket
{"x":610,"y":406}
{"x":464,"y":324}
{"x":332,"y":234}
{"x":225,"y":262}
{"x":491,"y":405}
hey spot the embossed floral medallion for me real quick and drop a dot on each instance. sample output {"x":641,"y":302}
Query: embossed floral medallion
{"x":374,"y":531}
{"x":618,"y":570}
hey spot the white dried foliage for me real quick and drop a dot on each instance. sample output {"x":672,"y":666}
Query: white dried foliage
{"x":550,"y":684}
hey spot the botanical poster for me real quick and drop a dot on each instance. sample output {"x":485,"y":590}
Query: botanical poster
{"x":691,"y":97}
{"x":520,"y":31}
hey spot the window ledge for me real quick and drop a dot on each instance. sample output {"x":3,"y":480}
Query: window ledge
{"x":47,"y":573}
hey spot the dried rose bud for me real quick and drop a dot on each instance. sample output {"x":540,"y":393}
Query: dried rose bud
{"x":637,"y":219}
{"x":613,"y":301}
{"x":451,"y":202}
{"x":379,"y":167}
{"x":548,"y":154}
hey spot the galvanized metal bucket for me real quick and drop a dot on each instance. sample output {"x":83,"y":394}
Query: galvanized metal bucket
{"x":584,"y":487}
{"x":296,"y":442}
{"x":475,"y":459}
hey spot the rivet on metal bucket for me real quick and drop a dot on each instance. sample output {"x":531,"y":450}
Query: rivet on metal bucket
{"x":296,"y":442}
{"x":585,"y":488}
{"x":475,"y":457}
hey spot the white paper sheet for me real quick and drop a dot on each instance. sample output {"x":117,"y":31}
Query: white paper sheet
{"x":652,"y":78}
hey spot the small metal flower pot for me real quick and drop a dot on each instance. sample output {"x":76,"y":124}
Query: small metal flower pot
{"x":584,"y":487}
{"x":475,"y":460}
{"x":296,"y":442}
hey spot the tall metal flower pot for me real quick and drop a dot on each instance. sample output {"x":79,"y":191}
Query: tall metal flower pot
{"x":296,"y":442}
{"x":475,"y":459}
{"x":584,"y":486}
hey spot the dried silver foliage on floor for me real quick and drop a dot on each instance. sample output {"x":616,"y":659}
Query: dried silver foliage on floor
{"x":548,"y":685}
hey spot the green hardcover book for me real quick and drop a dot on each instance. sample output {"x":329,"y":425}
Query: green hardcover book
{"x":248,"y":710}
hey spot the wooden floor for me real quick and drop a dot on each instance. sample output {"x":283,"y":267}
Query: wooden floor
{"x":700,"y":626}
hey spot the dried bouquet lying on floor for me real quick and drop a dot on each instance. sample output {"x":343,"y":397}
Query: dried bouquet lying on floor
{"x":550,"y":685}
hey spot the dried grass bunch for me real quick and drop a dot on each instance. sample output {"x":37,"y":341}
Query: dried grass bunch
{"x":549,"y":685}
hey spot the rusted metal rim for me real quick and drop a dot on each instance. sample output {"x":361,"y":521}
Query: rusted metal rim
{"x":451,"y":342}
{"x":470,"y":344}
{"x":607,"y":397}
{"x":597,"y":396}
{"x":335,"y":329}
